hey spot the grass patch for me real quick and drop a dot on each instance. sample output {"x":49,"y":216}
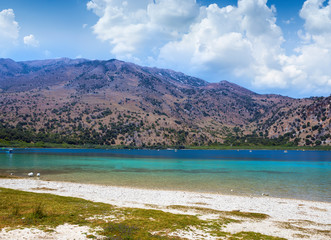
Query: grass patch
{"x":256,"y":216}
{"x":253,"y":236}
{"x":195,"y":209}
{"x":302,"y":236}
{"x":18,"y":208}
{"x":7,"y":176}
{"x":249,"y":215}
{"x":46,"y":211}
{"x":122,"y":231}
{"x":38,"y":212}
{"x":305,"y":230}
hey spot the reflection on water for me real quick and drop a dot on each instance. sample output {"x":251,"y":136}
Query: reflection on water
{"x":296,"y":174}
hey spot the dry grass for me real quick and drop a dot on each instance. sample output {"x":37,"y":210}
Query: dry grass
{"x":238,"y":214}
{"x":306,"y":227}
{"x":46,"y":211}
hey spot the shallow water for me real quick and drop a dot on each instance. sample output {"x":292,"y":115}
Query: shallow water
{"x":295,"y":174}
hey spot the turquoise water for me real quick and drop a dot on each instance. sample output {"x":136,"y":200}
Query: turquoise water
{"x":295,"y":174}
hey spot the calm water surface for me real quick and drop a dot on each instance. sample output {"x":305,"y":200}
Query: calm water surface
{"x":295,"y":174}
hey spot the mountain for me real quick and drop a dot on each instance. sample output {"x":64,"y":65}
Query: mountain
{"x":111,"y":102}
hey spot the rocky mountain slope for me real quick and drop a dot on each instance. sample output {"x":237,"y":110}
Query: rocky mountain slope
{"x":113,"y":102}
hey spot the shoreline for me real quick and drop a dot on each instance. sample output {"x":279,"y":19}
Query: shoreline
{"x":187,"y":147}
{"x":5,"y":175}
{"x":311,"y":218}
{"x":234,"y":193}
{"x":124,"y":196}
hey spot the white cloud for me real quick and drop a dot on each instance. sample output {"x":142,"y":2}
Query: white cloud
{"x":31,"y":41}
{"x":140,"y":27}
{"x":241,"y":43}
{"x":288,"y":21}
{"x":9,"y":29}
{"x":317,"y":18}
{"x":309,"y":70}
{"x":172,"y":15}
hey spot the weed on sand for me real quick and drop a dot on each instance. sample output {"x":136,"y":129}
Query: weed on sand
{"x":238,"y":214}
{"x":46,"y":211}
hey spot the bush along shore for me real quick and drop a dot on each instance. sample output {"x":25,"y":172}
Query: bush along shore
{"x":22,"y":144}
{"x":19,"y":136}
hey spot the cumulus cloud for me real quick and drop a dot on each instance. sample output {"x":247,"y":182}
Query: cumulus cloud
{"x":9,"y":29}
{"x":31,"y":41}
{"x":139,"y":28}
{"x":317,"y":16}
{"x":310,"y":67}
{"x":242,"y":43}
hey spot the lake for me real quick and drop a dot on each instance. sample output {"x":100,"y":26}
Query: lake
{"x":293,"y":174}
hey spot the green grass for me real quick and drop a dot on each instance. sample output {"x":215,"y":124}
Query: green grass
{"x":252,"y":236}
{"x":46,"y":211}
{"x":7,"y":176}
{"x":256,"y":216}
{"x":300,"y":226}
{"x":238,"y":214}
{"x":26,"y":209}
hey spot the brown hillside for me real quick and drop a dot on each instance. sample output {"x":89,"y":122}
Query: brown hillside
{"x":114,"y":102}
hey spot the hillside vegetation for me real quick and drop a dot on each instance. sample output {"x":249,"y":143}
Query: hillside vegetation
{"x":114,"y":103}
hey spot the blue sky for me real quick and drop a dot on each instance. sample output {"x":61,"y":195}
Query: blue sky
{"x":275,"y":46}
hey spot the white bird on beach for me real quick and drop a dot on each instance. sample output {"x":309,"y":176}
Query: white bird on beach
{"x":38,"y":175}
{"x":30,"y":174}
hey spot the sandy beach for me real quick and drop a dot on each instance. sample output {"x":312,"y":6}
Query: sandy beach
{"x":289,"y":218}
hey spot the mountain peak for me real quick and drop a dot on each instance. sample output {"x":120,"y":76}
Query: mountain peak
{"x":115,"y":102}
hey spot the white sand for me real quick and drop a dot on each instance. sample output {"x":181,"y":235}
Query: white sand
{"x":298,"y":212}
{"x":63,"y":232}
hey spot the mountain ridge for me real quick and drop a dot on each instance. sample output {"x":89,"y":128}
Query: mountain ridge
{"x":92,"y":101}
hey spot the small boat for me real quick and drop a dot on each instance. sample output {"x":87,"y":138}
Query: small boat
{"x":250,"y":150}
{"x":10,"y":150}
{"x":285,"y":151}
